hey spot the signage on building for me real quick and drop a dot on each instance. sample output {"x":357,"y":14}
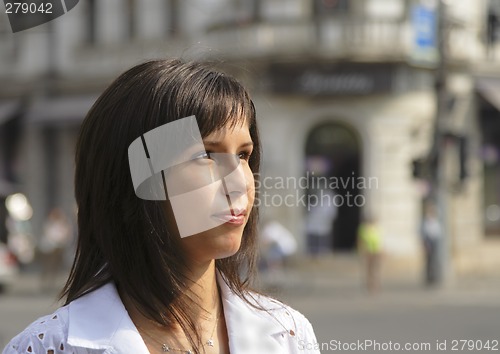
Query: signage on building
{"x":424,"y":27}
{"x":331,"y":79}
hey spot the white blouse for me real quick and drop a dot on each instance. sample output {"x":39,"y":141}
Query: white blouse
{"x":99,"y":323}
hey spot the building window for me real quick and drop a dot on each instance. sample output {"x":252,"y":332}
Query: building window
{"x":173,"y":16}
{"x":330,"y":7}
{"x":110,"y":20}
{"x":131,"y":25}
{"x":91,"y":21}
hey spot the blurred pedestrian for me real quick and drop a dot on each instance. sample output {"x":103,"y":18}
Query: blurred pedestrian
{"x":20,"y":240}
{"x":370,"y":246}
{"x":277,"y":246}
{"x":431,"y":233}
{"x":319,"y":223}
{"x":55,"y":238}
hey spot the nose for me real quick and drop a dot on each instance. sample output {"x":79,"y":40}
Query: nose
{"x":234,"y":181}
{"x":235,"y":189}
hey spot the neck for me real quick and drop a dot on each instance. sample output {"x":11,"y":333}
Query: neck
{"x":208,"y":316}
{"x":203,"y":289}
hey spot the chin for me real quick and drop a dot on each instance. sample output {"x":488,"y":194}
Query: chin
{"x":227,"y":246}
{"x":228,"y":252}
{"x":217,"y":243}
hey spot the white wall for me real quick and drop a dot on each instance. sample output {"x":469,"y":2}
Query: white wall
{"x":385,"y":126}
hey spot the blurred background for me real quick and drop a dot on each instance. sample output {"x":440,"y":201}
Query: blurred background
{"x":394,"y":102}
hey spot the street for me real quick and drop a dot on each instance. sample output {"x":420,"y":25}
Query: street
{"x":461,"y":318}
{"x":400,"y":316}
{"x":403,"y":315}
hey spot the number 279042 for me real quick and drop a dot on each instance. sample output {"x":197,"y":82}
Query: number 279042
{"x":28,"y":8}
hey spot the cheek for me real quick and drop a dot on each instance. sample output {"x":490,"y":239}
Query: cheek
{"x":189,"y":177}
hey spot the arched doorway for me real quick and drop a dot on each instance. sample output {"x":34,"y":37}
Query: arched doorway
{"x":332,"y":165}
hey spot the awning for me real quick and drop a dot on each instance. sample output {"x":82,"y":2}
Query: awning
{"x":71,"y":109}
{"x":489,"y":88}
{"x":8,"y":109}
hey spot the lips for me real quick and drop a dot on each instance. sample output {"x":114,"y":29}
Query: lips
{"x":235,"y":216}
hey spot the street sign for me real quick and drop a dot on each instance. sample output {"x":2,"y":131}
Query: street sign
{"x":424,"y":26}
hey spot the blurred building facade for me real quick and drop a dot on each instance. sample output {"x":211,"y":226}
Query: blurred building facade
{"x":344,"y":90}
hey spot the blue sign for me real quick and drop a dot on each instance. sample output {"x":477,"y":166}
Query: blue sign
{"x":424,"y":25}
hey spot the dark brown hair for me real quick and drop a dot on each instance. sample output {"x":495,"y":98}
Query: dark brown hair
{"x":125,"y":239}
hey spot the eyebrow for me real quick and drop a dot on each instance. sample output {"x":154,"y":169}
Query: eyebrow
{"x":218,"y":143}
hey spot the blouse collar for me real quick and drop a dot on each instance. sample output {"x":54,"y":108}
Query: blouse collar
{"x":99,"y":320}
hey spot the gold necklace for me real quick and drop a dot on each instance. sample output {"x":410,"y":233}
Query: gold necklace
{"x":165,"y":348}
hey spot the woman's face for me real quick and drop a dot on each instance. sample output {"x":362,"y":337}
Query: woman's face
{"x":211,"y":194}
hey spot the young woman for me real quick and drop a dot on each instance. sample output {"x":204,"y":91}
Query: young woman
{"x":164,"y":183}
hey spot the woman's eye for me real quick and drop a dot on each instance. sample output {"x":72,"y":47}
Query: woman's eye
{"x":245,"y":155}
{"x":205,"y":155}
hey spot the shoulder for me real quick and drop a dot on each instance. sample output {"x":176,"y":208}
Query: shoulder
{"x":48,"y":334}
{"x":293,"y":323}
{"x":267,"y":325}
{"x":280,"y":310}
{"x":96,"y":322}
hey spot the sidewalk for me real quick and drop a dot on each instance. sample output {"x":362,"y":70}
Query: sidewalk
{"x":28,"y":283}
{"x":342,"y":275}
